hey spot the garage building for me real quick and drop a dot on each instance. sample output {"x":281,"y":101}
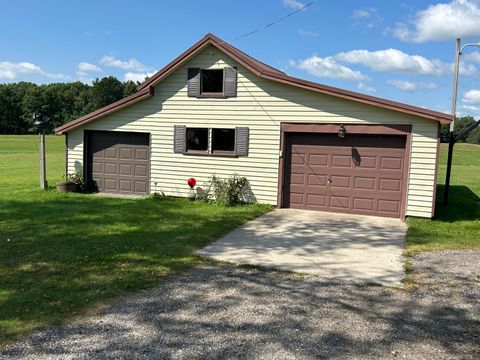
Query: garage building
{"x":216,"y":110}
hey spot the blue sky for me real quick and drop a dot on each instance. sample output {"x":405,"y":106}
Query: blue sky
{"x":397,"y":50}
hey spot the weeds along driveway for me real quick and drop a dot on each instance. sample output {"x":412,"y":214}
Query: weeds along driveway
{"x":226,"y":312}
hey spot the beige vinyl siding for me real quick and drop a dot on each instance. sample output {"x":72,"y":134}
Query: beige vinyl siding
{"x":262,"y":105}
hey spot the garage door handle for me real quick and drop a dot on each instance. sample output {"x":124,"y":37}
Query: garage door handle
{"x":329,"y":180}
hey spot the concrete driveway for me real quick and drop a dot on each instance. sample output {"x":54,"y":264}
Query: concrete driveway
{"x":341,"y":247}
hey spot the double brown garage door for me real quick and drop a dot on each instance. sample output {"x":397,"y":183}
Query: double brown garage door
{"x":118,"y":162}
{"x":362,"y":174}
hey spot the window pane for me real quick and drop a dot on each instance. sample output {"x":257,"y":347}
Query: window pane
{"x":212,"y":81}
{"x":197,"y":139}
{"x":223,"y":140}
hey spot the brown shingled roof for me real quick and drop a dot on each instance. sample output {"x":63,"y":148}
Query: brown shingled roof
{"x":259,"y":69}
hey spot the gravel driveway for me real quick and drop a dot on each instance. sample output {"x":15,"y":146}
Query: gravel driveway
{"x":229,"y":312}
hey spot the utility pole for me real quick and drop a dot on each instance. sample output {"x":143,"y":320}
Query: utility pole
{"x":451,"y":141}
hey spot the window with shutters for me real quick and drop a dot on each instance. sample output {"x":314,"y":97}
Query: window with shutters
{"x":211,"y":141}
{"x":211,"y":82}
{"x":214,"y":83}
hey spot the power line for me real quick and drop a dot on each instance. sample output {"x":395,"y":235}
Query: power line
{"x":276,"y":21}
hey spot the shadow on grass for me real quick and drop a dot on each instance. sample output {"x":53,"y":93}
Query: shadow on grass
{"x":463,"y":204}
{"x":63,"y":253}
{"x":455,"y":226}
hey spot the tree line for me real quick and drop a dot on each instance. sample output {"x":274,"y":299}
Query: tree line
{"x":60,"y":102}
{"x":461,"y":124}
{"x":63,"y":102}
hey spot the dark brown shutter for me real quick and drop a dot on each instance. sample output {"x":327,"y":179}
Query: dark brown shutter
{"x":241,"y":141}
{"x":179,"y":135}
{"x":230,"y":82}
{"x":193,"y":83}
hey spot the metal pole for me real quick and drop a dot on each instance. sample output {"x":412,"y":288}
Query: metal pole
{"x":43,"y":173}
{"x":451,"y":142}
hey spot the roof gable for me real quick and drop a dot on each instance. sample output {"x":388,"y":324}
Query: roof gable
{"x":260,"y":69}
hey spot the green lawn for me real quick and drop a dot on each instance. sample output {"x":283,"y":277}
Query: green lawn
{"x":456,"y":226}
{"x":61,"y":254}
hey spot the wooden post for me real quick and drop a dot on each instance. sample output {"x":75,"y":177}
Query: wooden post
{"x":43,"y":173}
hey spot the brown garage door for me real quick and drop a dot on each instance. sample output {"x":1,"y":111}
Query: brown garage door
{"x":118,"y":162}
{"x":362,"y":174}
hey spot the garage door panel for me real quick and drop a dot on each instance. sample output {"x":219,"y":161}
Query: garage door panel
{"x":391,"y":163}
{"x":141,"y":170}
{"x":360,"y":174}
{"x":339,"y":202}
{"x":118,"y":162}
{"x":338,"y":181}
{"x":125,"y":185}
{"x":141,"y":186}
{"x":341,"y":161}
{"x":390,"y":184}
{"x":111,"y":153}
{"x":110,"y":184}
{"x":298,"y":158}
{"x":320,"y":160}
{"x":364,"y":183}
{"x":126,"y":169}
{"x":141,"y":154}
{"x":367,"y":162}
{"x":296,"y":199}
{"x":298,"y":179}
{"x":97,"y":168}
{"x":389,"y":206}
{"x":110,"y":168}
{"x":317,"y":180}
{"x":316,"y":200}
{"x":363,"y":204}
{"x":126,"y":153}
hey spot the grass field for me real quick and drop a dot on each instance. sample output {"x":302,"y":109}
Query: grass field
{"x":61,"y":254}
{"x":456,"y":226}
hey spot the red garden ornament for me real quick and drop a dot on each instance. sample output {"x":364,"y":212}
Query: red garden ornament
{"x":191,"y":182}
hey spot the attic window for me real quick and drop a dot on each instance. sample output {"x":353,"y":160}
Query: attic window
{"x":211,"y":82}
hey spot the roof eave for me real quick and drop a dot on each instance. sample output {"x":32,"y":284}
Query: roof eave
{"x":146,"y":89}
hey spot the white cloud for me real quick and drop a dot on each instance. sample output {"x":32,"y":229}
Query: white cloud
{"x":294,"y":4}
{"x":367,"y":16}
{"x":443,"y":21}
{"x":468,"y":110}
{"x":473,"y":57}
{"x":131,"y":64}
{"x":411,"y":86}
{"x":393,"y":60}
{"x":87,"y":67}
{"x":137,"y":77}
{"x":472,"y":97}
{"x":10,"y":70}
{"x":308,"y":33}
{"x":365,"y":87}
{"x":361,"y":14}
{"x":470,"y":107}
{"x":327,"y":67}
